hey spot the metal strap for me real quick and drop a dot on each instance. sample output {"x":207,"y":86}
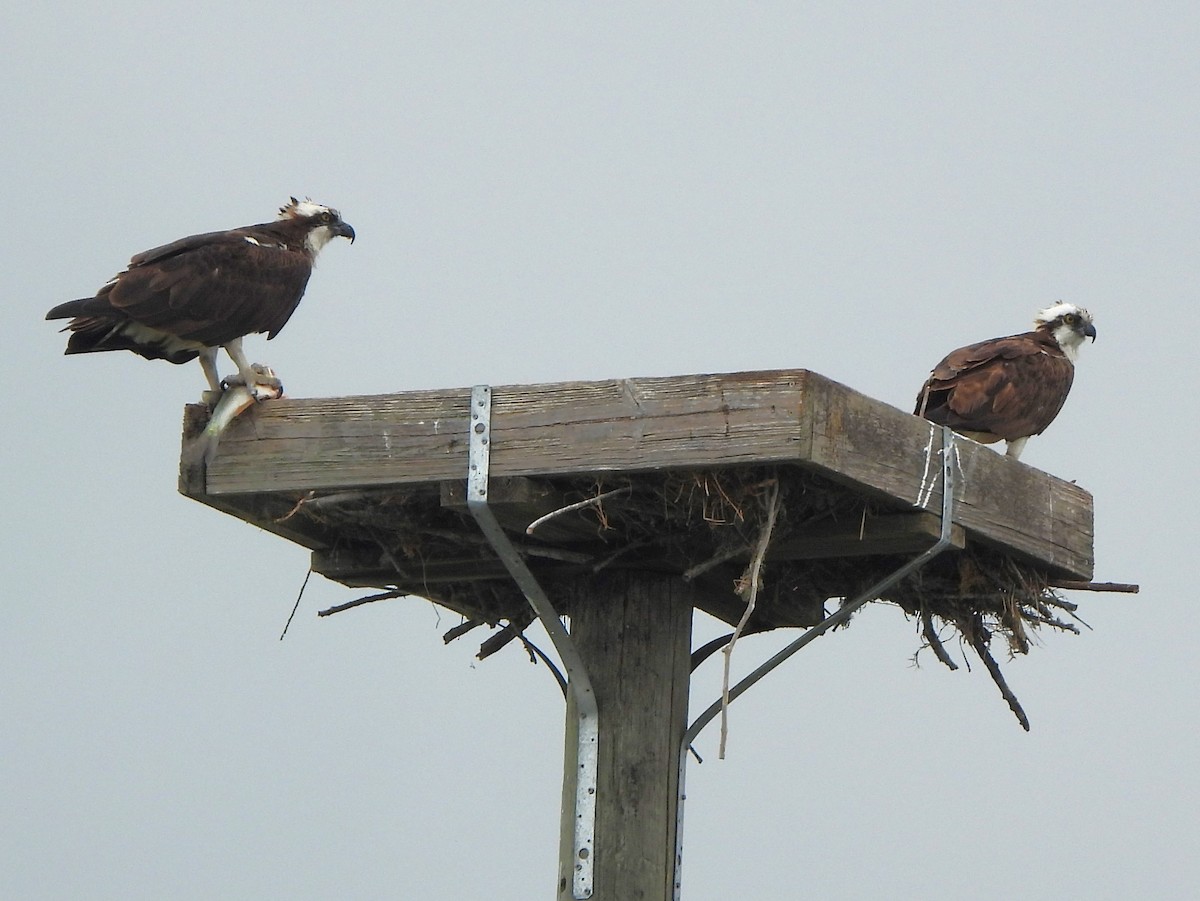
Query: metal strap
{"x":479,"y":455}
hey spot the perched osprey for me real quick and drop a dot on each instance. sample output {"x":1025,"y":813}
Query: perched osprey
{"x":188,"y":298}
{"x":1012,"y":387}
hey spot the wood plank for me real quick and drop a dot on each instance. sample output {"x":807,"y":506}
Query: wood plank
{"x":865,"y":443}
{"x":901,"y":533}
{"x":639,"y":425}
{"x":569,"y":427}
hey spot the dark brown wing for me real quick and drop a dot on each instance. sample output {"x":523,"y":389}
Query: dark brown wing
{"x":209,"y":288}
{"x":216,"y":287}
{"x":1008,"y":387}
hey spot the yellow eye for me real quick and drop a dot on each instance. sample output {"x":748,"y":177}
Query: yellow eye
{"x":1070,"y":319}
{"x":326,"y":216}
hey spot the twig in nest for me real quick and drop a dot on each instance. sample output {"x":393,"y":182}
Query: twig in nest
{"x":496,"y":642}
{"x":1073,"y":585}
{"x":460,"y":630}
{"x":296,"y":508}
{"x":1014,"y":626}
{"x":737,"y":511}
{"x":576,"y":506}
{"x":750,"y":584}
{"x":311,"y":502}
{"x":296,"y":606}
{"x":1038,"y":612}
{"x":978,"y":637}
{"x":358,"y":602}
{"x":504,"y":636}
{"x":935,"y":643}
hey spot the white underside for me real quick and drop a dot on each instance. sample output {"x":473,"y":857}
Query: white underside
{"x":1016,"y":446}
{"x":144,"y":334}
{"x":248,"y":373}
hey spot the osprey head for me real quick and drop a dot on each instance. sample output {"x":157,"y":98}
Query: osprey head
{"x":1069,"y":324}
{"x":324,"y":223}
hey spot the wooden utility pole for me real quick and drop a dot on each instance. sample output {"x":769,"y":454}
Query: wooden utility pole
{"x":626,"y":503}
{"x":633,"y":631}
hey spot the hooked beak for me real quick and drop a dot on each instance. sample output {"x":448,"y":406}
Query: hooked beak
{"x":344,"y":230}
{"x":1089,"y":331}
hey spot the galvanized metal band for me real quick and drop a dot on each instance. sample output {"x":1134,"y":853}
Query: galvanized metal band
{"x":580,"y":686}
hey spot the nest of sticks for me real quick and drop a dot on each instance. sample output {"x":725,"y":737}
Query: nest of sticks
{"x":718,"y":528}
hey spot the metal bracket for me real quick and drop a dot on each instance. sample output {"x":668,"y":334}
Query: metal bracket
{"x":842,"y":614}
{"x":587,"y":757}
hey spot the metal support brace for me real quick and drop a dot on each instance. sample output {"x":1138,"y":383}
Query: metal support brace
{"x":479,"y":454}
{"x":842,"y":614}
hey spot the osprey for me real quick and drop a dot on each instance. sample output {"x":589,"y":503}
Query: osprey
{"x":1010,"y":388}
{"x":187,"y":299}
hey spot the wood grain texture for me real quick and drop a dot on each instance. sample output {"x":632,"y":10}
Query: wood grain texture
{"x":568,"y":427}
{"x":863,"y":442}
{"x":633,"y":632}
{"x":902,"y":533}
{"x":293,"y":446}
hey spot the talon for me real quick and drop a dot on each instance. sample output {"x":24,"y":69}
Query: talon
{"x":266,"y":386}
{"x":261,"y":391}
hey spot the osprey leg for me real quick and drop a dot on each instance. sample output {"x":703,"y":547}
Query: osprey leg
{"x":208,"y":362}
{"x":1015,"y":446}
{"x":259,"y":379}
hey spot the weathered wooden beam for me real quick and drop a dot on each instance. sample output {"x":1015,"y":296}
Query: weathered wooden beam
{"x":862,"y":442}
{"x":639,"y":425}
{"x":897,"y":533}
{"x":552,"y":429}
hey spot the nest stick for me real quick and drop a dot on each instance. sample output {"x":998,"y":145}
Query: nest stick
{"x":497,"y":642}
{"x":514,"y":629}
{"x":461,"y":629}
{"x":935,"y":643}
{"x":993,"y":668}
{"x":1073,"y":585}
{"x":752,"y":582}
{"x":358,"y":602}
{"x":296,"y":509}
{"x":576,"y":506}
{"x":310,"y":502}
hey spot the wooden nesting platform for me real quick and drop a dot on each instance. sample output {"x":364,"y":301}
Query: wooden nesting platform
{"x":677,"y":469}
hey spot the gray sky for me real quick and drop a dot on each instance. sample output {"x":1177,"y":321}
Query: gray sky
{"x":552,"y":191}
